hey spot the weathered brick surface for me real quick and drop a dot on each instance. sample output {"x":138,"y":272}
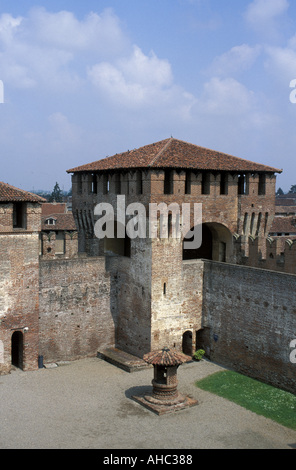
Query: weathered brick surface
{"x":19,"y":299}
{"x":75,"y":313}
{"x":250,"y":315}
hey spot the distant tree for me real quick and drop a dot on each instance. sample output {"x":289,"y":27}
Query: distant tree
{"x":57,"y":194}
{"x":280,"y":192}
{"x":292,"y":189}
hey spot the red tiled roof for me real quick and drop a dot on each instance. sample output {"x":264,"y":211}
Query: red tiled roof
{"x":63,"y":222}
{"x":54,"y":208}
{"x":9,"y":193}
{"x":285,"y":210}
{"x":287,"y":200}
{"x":283,"y":225}
{"x":173,"y":153}
{"x":166,"y":357}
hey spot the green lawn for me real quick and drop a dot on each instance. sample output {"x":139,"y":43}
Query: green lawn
{"x":265,"y":400}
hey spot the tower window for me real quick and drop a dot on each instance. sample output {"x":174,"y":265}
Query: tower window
{"x":168,"y":182}
{"x":224,"y":184}
{"x":262,"y":185}
{"x":205,"y":184}
{"x":94,"y":184}
{"x":19,"y":215}
{"x":188,"y":183}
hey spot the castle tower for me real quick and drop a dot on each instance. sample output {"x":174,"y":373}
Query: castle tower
{"x":156,"y":303}
{"x":20,"y":224}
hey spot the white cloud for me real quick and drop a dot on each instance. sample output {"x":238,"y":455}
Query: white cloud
{"x":237,"y":60}
{"x":264,"y":15}
{"x":231,"y":104}
{"x":8,"y":27}
{"x":262,"y":11}
{"x":49,"y":49}
{"x":140,"y":81}
{"x":281,"y":62}
{"x":227,"y":97}
{"x":101,"y":34}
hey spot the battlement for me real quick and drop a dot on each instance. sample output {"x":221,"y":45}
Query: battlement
{"x":173,"y":182}
{"x":54,"y":246}
{"x":277,"y":254}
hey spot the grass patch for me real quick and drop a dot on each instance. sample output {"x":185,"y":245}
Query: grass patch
{"x":263,"y":399}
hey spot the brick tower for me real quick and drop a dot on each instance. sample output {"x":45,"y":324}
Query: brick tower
{"x":154,"y":302}
{"x":20,"y":224}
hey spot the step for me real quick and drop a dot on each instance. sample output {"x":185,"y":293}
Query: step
{"x":123,"y":360}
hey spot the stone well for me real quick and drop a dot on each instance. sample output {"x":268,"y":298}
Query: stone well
{"x":165,"y":397}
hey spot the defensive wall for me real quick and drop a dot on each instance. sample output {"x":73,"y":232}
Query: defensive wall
{"x":75,"y":311}
{"x":243,"y":317}
{"x":249,"y":321}
{"x":279,"y":254}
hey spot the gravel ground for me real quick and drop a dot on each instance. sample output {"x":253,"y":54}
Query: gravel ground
{"x":86,"y":404}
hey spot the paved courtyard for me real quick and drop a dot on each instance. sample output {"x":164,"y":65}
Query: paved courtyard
{"x":86,"y":404}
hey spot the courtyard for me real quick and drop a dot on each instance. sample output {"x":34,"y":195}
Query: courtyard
{"x":87,"y":404}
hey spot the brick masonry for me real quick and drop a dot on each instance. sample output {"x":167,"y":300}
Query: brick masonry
{"x":145,"y":296}
{"x":19,"y":286}
{"x":75,"y":315}
{"x":249,"y":321}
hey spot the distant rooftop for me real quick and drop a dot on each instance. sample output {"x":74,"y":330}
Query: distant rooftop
{"x":9,"y":193}
{"x":173,"y":153}
{"x":49,"y":208}
{"x":62,"y":222}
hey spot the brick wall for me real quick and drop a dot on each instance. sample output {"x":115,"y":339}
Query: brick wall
{"x":19,"y":296}
{"x":19,"y":286}
{"x":75,"y":312}
{"x":279,"y":254}
{"x":249,"y":321}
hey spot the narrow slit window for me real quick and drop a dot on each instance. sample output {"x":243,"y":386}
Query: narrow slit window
{"x":224,"y":184}
{"x":205,"y":184}
{"x":106,"y":184}
{"x":262,"y":185}
{"x":94,"y":184}
{"x":79,"y":184}
{"x":139,"y":182}
{"x":19,"y":215}
{"x":242,"y":185}
{"x":168,"y":182}
{"x":188,"y":182}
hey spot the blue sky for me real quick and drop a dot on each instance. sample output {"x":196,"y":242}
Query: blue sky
{"x":87,"y":79}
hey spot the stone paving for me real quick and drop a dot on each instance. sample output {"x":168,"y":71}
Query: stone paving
{"x":87,"y":404}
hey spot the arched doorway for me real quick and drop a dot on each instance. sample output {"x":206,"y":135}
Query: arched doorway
{"x":216,"y":244}
{"x":187,"y":343}
{"x":205,"y":250}
{"x":17,"y":349}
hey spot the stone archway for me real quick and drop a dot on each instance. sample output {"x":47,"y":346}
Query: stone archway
{"x":187,"y":343}
{"x":216,"y":244}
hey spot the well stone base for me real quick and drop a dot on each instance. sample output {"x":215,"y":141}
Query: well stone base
{"x":161,"y":407}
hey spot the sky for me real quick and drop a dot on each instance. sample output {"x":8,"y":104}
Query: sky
{"x":83,"y":80}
